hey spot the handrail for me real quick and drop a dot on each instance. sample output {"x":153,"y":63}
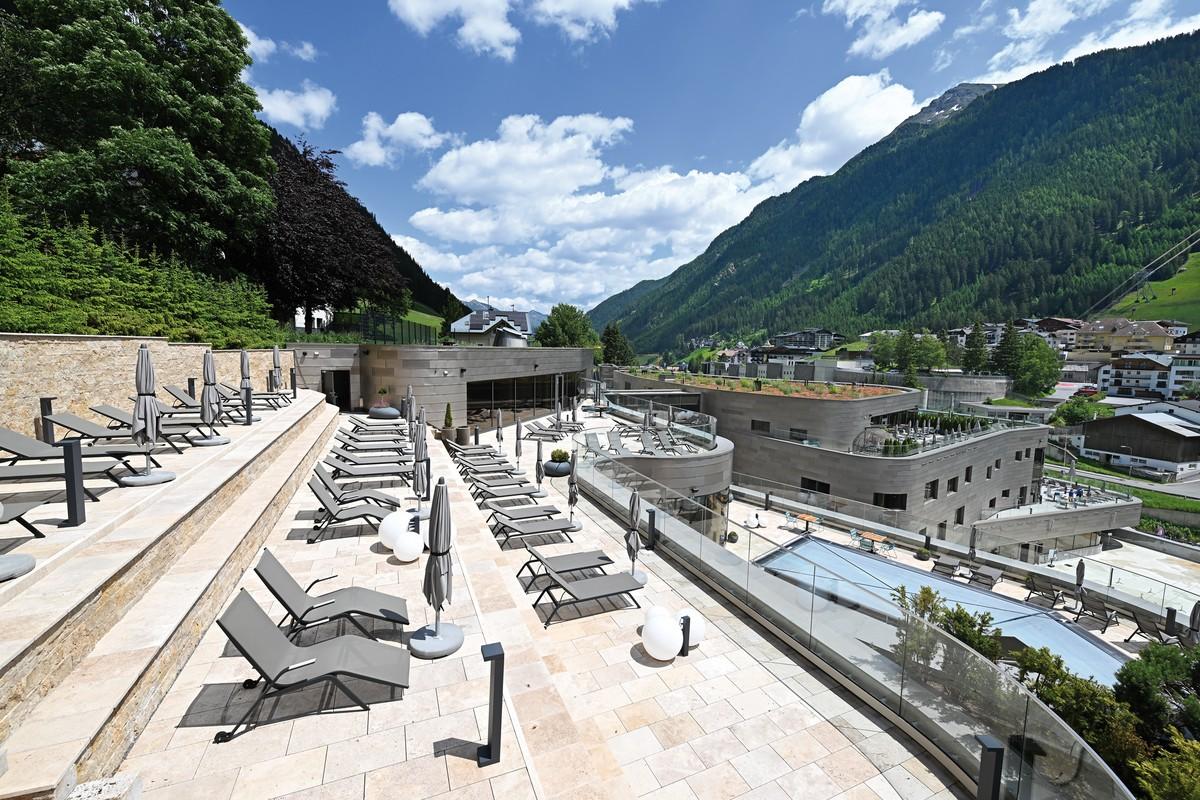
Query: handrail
{"x":933,"y":683}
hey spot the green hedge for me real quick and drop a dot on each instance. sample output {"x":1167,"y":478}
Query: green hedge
{"x":69,"y":279}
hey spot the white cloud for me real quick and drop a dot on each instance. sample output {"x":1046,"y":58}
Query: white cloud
{"x":382,"y":141}
{"x":305,"y":51}
{"x":543,"y":207}
{"x":1146,"y":21}
{"x":1045,"y":18}
{"x":580,"y":20}
{"x":307,"y":108}
{"x":881,"y":30}
{"x":484,"y":24}
{"x":258,"y":47}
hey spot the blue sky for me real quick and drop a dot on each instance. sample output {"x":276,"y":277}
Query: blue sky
{"x":543,"y":151}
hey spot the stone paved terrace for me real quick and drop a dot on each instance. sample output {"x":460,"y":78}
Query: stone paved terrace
{"x":588,"y":714}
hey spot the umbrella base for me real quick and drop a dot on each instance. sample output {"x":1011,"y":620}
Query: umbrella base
{"x":210,"y":441}
{"x":640,"y":577}
{"x":424,"y":643}
{"x":147,"y":478}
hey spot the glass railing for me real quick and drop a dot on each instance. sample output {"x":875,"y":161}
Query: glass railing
{"x":947,"y":692}
{"x":691,"y":426}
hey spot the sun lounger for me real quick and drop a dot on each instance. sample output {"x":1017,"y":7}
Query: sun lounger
{"x":375,"y":436}
{"x":172,"y":428}
{"x":568,"y":562}
{"x":521,"y":512}
{"x":650,"y":446}
{"x":520,"y":528}
{"x":616,"y":445}
{"x":984,"y":577}
{"x":15,"y":511}
{"x":25,"y":448}
{"x":307,"y":611}
{"x":377,"y":447}
{"x":564,"y":592}
{"x":344,"y":469}
{"x":284,"y":666}
{"x":333,"y":511}
{"x":346,"y":496}
{"x":473,"y":472}
{"x":355,"y":457}
{"x":264,"y":399}
{"x":498,"y":492}
{"x":458,"y":450}
{"x":667,"y":442}
{"x":535,"y":430}
{"x":368,"y":424}
{"x":1147,"y":625}
{"x":592,"y":442}
{"x":188,"y":402}
{"x":47,"y":470}
{"x":1093,"y":606}
{"x":86,"y":430}
{"x":1041,"y":587}
{"x":945,"y":565}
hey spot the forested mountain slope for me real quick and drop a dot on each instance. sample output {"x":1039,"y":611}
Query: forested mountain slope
{"x":1037,"y":198}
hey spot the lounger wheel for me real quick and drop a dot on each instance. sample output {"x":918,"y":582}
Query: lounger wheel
{"x":249,"y":683}
{"x":222,"y":737}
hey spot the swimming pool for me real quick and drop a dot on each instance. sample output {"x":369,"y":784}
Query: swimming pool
{"x":867,"y":581}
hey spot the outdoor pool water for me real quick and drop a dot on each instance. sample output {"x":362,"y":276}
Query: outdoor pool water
{"x":867,"y":581}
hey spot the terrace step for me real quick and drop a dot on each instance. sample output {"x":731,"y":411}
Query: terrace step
{"x":91,"y":684}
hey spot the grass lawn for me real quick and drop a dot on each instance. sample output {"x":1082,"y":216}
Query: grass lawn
{"x":856,"y":346}
{"x":1184,"y":305}
{"x":423,"y":315}
{"x":1014,"y":402}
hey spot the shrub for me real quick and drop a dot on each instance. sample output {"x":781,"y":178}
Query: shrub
{"x":1174,"y":773}
{"x":1148,"y":684}
{"x":560,"y":456}
{"x":448,"y":420}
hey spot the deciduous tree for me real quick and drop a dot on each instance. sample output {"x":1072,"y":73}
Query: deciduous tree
{"x":566,"y":326}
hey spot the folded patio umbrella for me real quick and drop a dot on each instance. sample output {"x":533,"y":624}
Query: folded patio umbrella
{"x":573,"y":484}
{"x":147,"y":415}
{"x":1079,"y":570}
{"x":420,"y":479}
{"x":277,"y":370}
{"x":539,"y":471}
{"x":648,"y":422}
{"x":438,"y":640}
{"x":210,"y":398}
{"x":499,"y":426}
{"x":517,"y":444}
{"x":633,"y":542}
{"x":246,"y":383}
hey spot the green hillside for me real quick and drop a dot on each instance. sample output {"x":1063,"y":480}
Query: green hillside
{"x":1177,"y":297}
{"x":1037,"y":198}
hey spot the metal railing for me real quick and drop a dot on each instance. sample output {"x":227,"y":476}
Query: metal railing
{"x":946,"y":692}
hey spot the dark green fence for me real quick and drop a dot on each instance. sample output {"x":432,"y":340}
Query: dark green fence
{"x":379,"y":328}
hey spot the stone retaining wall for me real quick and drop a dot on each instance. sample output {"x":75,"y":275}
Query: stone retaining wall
{"x":82,"y":371}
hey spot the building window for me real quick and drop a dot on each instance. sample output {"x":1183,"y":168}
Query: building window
{"x":798,"y":434}
{"x":967,"y":474}
{"x":989,"y":473}
{"x":931,"y":490}
{"x":889,"y":500}
{"x":997,"y":463}
{"x":942,"y":529}
{"x":814,"y":485}
{"x":951,"y":485}
{"x":1017,"y":456}
{"x":1006,"y":493}
{"x":760,"y":426}
{"x":1039,"y":456}
{"x":992,"y":503}
{"x":1027,"y":452}
{"x":960,"y":514}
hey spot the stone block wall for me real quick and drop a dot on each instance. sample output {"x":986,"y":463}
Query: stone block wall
{"x":82,"y":371}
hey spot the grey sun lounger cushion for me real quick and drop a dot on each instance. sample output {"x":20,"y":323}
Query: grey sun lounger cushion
{"x":284,"y":666}
{"x":564,"y":592}
{"x":346,"y":496}
{"x":562,"y":564}
{"x":15,"y":511}
{"x":945,"y":565}
{"x":519,"y":528}
{"x":307,"y":610}
{"x":344,"y":469}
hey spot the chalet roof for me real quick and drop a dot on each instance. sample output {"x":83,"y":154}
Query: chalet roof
{"x":482,"y":321}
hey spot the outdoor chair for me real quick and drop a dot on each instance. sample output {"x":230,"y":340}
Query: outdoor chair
{"x":92,"y":468}
{"x":307,"y":611}
{"x":368,"y":458}
{"x":15,"y":511}
{"x":121,"y":419}
{"x":616,"y":445}
{"x":508,"y":528}
{"x":563,"y":592}
{"x":25,"y":448}
{"x":86,"y":430}
{"x":519,"y":512}
{"x":267,"y":400}
{"x":1041,"y":587}
{"x":670,"y":443}
{"x":1093,"y":605}
{"x":393,"y":470}
{"x":568,"y":562}
{"x":368,"y":424}
{"x":284,"y":666}
{"x":346,"y":496}
{"x":1149,"y":627}
{"x":332,"y":511}
{"x":650,"y":446}
{"x":485,"y":493}
{"x":945,"y":565}
{"x":984,"y":577}
{"x":535,"y":431}
{"x":188,"y":402}
{"x":358,"y":445}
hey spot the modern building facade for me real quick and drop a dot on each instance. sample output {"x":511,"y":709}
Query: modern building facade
{"x":1147,"y":441}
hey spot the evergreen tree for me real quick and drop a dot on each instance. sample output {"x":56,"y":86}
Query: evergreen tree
{"x":566,"y":326}
{"x":617,"y":349}
{"x":975,"y":352}
{"x":906,"y":351}
{"x":1006,"y":358}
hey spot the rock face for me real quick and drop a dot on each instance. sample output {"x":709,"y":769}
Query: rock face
{"x":950,"y":103}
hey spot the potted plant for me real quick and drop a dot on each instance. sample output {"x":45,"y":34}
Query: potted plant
{"x":922,"y":554}
{"x":381,"y":399}
{"x":381,"y":407}
{"x":559,"y":465}
{"x":448,"y":425}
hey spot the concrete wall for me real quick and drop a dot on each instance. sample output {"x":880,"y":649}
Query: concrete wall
{"x":1089,"y":519}
{"x":439,"y":375}
{"x":1188,"y":552}
{"x":313,"y":359}
{"x":82,"y":371}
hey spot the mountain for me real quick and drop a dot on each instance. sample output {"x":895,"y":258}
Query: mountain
{"x":1037,"y":197}
{"x":950,"y":103}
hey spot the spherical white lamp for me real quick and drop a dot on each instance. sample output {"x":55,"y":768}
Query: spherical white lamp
{"x":655,"y":612}
{"x":662,"y":638}
{"x":698,"y":626}
{"x":397,"y":535}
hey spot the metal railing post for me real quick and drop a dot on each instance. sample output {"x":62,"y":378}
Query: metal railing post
{"x":73,"y":473}
{"x":192,"y":386}
{"x":47,"y":427}
{"x":651,"y":529}
{"x":247,"y":405}
{"x":489,"y":753}
{"x":477,"y":435}
{"x":991,"y":767}
{"x":293,"y":374}
{"x":685,"y":622}
{"x":767,"y":501}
